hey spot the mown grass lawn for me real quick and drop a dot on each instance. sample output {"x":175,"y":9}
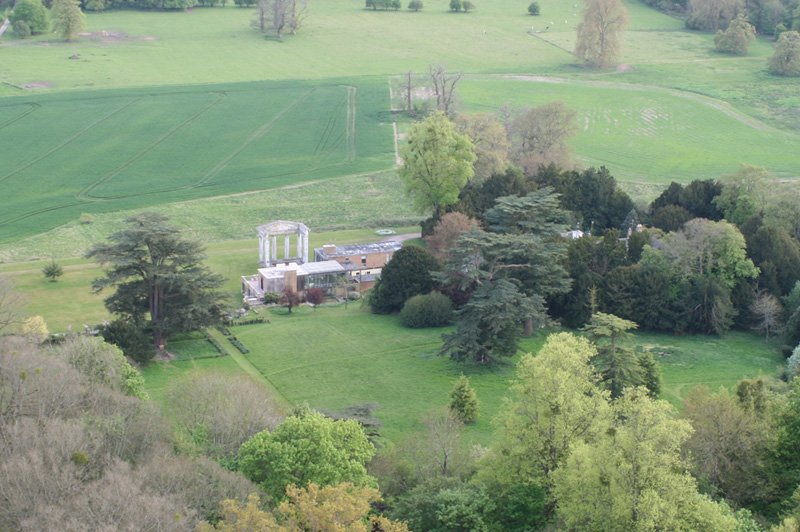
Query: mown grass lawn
{"x":336,"y":357}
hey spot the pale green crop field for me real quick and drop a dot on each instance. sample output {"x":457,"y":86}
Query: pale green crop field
{"x":196,"y":118}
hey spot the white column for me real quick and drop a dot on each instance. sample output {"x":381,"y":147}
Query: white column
{"x":274,"y":247}
{"x":266,"y":251}
{"x":305,"y":248}
{"x":299,"y":243}
{"x":286,"y":247}
{"x":260,"y":249}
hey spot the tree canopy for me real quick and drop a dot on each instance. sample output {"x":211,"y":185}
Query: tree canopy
{"x":786,"y":59}
{"x":307,"y":448}
{"x":155,"y":272}
{"x":408,"y":274}
{"x":599,"y":39}
{"x":437,"y":163}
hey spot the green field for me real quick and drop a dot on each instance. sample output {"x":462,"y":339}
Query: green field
{"x":69,"y":153}
{"x":335,"y":357}
{"x":189,"y":115}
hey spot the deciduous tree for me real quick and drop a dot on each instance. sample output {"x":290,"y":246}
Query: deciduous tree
{"x":599,"y":33}
{"x":713,"y":15}
{"x":786,"y":59}
{"x":446,"y":233}
{"x":220,"y":412}
{"x":632,"y":478}
{"x":307,"y":448}
{"x":68,"y":19}
{"x":315,"y":296}
{"x":490,"y":142}
{"x":437,"y":163}
{"x":33,"y":13}
{"x":539,"y":136}
{"x":737,"y":38}
{"x":11,"y":304}
{"x":730,"y":444}
{"x":444,"y":82}
{"x":155,"y":272}
{"x":289,"y":298}
{"x":768,"y":313}
{"x":557,"y":406}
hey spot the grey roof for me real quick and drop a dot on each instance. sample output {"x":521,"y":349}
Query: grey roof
{"x":361,"y":249}
{"x":327,"y":266}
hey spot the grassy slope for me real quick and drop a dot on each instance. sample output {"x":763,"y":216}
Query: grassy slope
{"x":336,"y":357}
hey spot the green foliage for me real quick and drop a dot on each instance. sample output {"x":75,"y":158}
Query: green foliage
{"x":512,"y":267}
{"x":737,"y":38}
{"x":155,"y":272}
{"x":68,"y":19}
{"x":33,"y":13}
{"x":437,"y":162}
{"x":415,"y":5}
{"x":489,"y":324}
{"x":631,"y":478}
{"x":455,"y":5}
{"x":102,"y":364}
{"x":618,"y":365}
{"x":429,"y":310}
{"x":463,"y":400}
{"x":557,"y":405}
{"x":408,"y":274}
{"x":786,"y":59}
{"x":271,"y":297}
{"x":130,"y":339}
{"x":311,"y":448}
{"x":53,"y":271}
{"x":533,"y":8}
{"x":21,"y":29}
{"x":466,"y":5}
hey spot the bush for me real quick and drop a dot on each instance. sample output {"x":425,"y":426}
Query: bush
{"x":430,"y":310}
{"x":271,"y":298}
{"x":533,"y":9}
{"x":415,"y":5}
{"x":33,"y":13}
{"x":467,"y":5}
{"x":455,"y":5}
{"x":130,"y":339}
{"x":21,"y":29}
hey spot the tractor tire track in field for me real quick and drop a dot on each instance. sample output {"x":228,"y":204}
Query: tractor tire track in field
{"x":325,"y":147}
{"x":260,"y":132}
{"x":34,"y":107}
{"x":86,"y":193}
{"x":69,"y":140}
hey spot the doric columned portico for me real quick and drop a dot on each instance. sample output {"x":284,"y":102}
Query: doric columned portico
{"x":268,"y":243}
